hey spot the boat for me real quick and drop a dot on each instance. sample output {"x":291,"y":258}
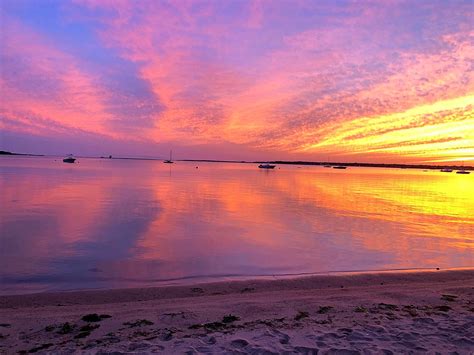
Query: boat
{"x":327,"y":166}
{"x":339,"y":167}
{"x":266,"y":166}
{"x":462,"y":171}
{"x":69,"y":159}
{"x":446,"y":170}
{"x":170,"y":160}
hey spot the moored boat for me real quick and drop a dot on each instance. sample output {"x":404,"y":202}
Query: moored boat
{"x":446,"y":170}
{"x":339,"y":167}
{"x":266,"y":166}
{"x":170,"y":160}
{"x":465,"y":172}
{"x":69,"y":159}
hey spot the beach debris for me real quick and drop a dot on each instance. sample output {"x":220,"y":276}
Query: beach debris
{"x":324,"y":309}
{"x":41,"y":347}
{"x":247,"y":289}
{"x":175,"y":314}
{"x":268,"y":322}
{"x":167,"y":335}
{"x":94,"y":317}
{"x":82,"y":335}
{"x":214,"y":325}
{"x":442,"y":308}
{"x":139,"y":323}
{"x":230,"y":318}
{"x":411,"y":310}
{"x":449,"y":298}
{"x":66,"y":328}
{"x":226,"y":320}
{"x":301,"y":314}
{"x":197,"y":290}
{"x":140,"y":333}
{"x":386,"y":306}
{"x":49,"y":328}
{"x":89,"y":327}
{"x":360,"y":309}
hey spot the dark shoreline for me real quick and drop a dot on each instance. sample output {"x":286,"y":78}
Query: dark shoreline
{"x":4,"y":152}
{"x":279,"y":162}
{"x":229,"y":287}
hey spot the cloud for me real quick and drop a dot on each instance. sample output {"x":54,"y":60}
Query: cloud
{"x":289,"y":78}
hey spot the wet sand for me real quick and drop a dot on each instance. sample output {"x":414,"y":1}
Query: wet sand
{"x":396,"y":312}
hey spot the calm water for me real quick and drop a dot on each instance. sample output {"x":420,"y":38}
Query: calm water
{"x":122,"y":223}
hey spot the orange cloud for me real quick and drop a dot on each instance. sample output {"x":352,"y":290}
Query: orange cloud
{"x":303,"y":80}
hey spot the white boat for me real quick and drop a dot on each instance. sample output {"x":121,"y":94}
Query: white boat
{"x":69,"y":159}
{"x":170,"y":160}
{"x":266,"y":166}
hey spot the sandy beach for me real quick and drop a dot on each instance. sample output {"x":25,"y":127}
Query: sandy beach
{"x":380,"y":313}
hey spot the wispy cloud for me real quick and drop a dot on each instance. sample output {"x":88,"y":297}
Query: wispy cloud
{"x":363,"y":80}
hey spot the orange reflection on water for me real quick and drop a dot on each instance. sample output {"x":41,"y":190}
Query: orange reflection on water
{"x":112,"y":223}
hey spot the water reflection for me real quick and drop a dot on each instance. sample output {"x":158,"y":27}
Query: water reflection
{"x":117,"y":223}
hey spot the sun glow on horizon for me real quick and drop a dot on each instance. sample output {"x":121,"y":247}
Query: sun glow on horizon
{"x":443,"y":129}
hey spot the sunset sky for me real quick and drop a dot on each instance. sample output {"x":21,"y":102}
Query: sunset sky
{"x":366,"y":81}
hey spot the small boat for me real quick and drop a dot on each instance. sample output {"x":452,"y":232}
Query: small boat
{"x":339,"y":167}
{"x":266,"y":166}
{"x":465,"y":172}
{"x":170,"y":160}
{"x":446,"y":170}
{"x":327,"y":166}
{"x":69,"y":159}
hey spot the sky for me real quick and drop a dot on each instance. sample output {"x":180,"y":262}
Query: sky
{"x":349,"y":81}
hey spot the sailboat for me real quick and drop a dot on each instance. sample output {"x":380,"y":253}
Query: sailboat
{"x":327,"y":165}
{"x":170,"y":160}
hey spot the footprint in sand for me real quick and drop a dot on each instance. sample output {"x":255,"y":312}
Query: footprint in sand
{"x":239,"y":343}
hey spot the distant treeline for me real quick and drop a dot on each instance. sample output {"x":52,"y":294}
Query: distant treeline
{"x":368,"y":165}
{"x":4,"y":152}
{"x":298,"y":162}
{"x":374,"y":165}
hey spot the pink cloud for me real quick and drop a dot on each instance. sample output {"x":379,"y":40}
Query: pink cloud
{"x":279,"y":76}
